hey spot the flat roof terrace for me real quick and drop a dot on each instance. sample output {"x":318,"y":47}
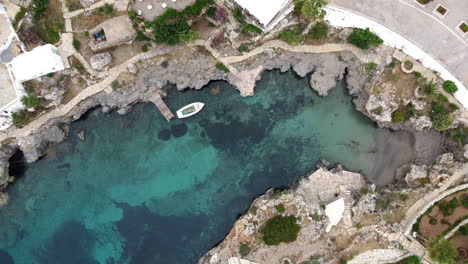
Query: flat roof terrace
{"x":7,"y":89}
{"x":156,"y":7}
{"x":5,"y":30}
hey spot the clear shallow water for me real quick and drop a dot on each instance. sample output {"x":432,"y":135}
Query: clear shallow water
{"x":143,"y":190}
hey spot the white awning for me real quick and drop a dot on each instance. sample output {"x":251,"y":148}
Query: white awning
{"x":334,"y":211}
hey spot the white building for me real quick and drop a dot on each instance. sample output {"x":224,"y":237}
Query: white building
{"x":17,"y":66}
{"x":264,"y":13}
{"x":36,"y":63}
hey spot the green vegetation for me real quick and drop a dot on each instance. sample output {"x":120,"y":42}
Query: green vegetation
{"x":238,"y":15}
{"x":343,"y":261}
{"x":172,"y":28}
{"x":115,"y":84}
{"x":106,"y":9}
{"x":39,"y":8}
{"x":310,"y":9}
{"x":417,"y":74}
{"x":440,"y":117}
{"x":378,"y":110}
{"x":144,"y":48}
{"x":442,"y":98}
{"x":430,"y":88}
{"x":244,"y":249}
{"x":370,"y":66}
{"x":447,"y":208}
{"x":49,"y":33}
{"x":280,"y":208}
{"x":243,"y":48}
{"x":392,"y":64}
{"x":196,"y":9}
{"x":31,"y":101}
{"x":450,"y":87}
{"x":211,"y":12}
{"x":280,"y":229}
{"x":249,"y":29}
{"x":410,"y":260}
{"x":442,"y":251}
{"x":458,"y":135}
{"x":364,"y":190}
{"x":433,"y":221}
{"x":319,"y":31}
{"x":76,"y":43}
{"x":364,"y":38}
{"x":408,"y":65}
{"x":140,"y":36}
{"x":463,"y":230}
{"x":21,"y":118}
{"x":291,"y":35}
{"x":464,"y":200}
{"x":397,"y":117}
{"x":18,"y":17}
{"x":222,"y":67}
{"x":253,"y":210}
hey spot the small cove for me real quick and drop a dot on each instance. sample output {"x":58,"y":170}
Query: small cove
{"x":140,"y":189}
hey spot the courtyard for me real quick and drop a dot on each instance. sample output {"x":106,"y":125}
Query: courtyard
{"x":150,"y":9}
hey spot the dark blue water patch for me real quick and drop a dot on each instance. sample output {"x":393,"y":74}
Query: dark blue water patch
{"x":72,"y":243}
{"x":6,"y":258}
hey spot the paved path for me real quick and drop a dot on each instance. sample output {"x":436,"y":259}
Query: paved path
{"x":433,"y":35}
{"x":451,"y":233}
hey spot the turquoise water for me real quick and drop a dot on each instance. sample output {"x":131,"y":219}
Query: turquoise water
{"x":142,"y":190}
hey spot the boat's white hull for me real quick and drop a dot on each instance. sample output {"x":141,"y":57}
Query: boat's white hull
{"x":190,"y":110}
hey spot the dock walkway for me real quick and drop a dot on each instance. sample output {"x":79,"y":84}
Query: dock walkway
{"x":154,"y":97}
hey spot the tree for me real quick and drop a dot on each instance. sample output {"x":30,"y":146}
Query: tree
{"x":364,"y":38}
{"x":450,"y":87}
{"x":319,"y":30}
{"x":312,"y":9}
{"x":280,"y":229}
{"x":30,"y":101}
{"x":442,"y":251}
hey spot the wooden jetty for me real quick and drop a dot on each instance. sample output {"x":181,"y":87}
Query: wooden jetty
{"x":154,"y":96}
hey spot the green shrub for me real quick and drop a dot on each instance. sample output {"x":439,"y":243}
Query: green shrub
{"x":238,"y":15}
{"x":76,"y":43}
{"x":222,"y":67}
{"x":244,"y":249}
{"x":411,"y":260}
{"x":450,"y":87}
{"x":433,"y":221}
{"x":280,"y":208}
{"x":442,"y":250}
{"x":378,"y":110}
{"x":463,"y":230}
{"x":343,"y":261}
{"x":410,"y":110}
{"x":291,"y":35}
{"x":416,"y":226}
{"x":280,"y":229}
{"x":442,"y":98}
{"x":417,"y":74}
{"x":48,"y":33}
{"x":464,"y":200}
{"x":370,"y":66}
{"x":21,"y":118}
{"x":298,"y":4}
{"x":364,"y":190}
{"x":458,"y":135}
{"x":243,"y":48}
{"x":173,"y":33}
{"x":30,"y":101}
{"x":115,"y":84}
{"x":253,"y":210}
{"x":430,"y":88}
{"x":140,"y":36}
{"x":447,"y":208}
{"x":437,"y":107}
{"x":392,"y":64}
{"x":403,"y":197}
{"x":18,"y":17}
{"x":211,"y":12}
{"x":453,"y":106}
{"x":364,"y":38}
{"x":196,"y":9}
{"x":319,"y":31}
{"x":144,"y":48}
{"x":106,"y":9}
{"x":313,"y":9}
{"x":397,"y":117}
{"x":39,"y":8}
{"x":249,"y":29}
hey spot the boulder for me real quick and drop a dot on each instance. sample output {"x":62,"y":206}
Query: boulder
{"x":415,"y":173}
{"x":100,"y":61}
{"x":421,"y":123}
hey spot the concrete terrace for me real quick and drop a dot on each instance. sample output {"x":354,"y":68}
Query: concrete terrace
{"x":436,"y":36}
{"x":157,"y":9}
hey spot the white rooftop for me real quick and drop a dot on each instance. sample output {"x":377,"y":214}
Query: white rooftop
{"x":38,"y":62}
{"x":334,"y":211}
{"x":263,"y":10}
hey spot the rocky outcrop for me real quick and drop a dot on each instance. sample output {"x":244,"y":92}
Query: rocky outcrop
{"x":305,"y":201}
{"x":100,"y":61}
{"x":415,"y":175}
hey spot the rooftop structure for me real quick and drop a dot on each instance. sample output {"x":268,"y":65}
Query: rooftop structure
{"x":334,"y":211}
{"x":112,"y":32}
{"x":265,"y":13}
{"x":38,"y":62}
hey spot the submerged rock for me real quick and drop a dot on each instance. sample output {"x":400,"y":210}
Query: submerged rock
{"x":81,"y":135}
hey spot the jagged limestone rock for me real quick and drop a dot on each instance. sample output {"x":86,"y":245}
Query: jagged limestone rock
{"x":414,"y":174}
{"x":100,"y":61}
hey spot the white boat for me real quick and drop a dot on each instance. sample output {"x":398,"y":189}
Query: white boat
{"x":190,"y":110}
